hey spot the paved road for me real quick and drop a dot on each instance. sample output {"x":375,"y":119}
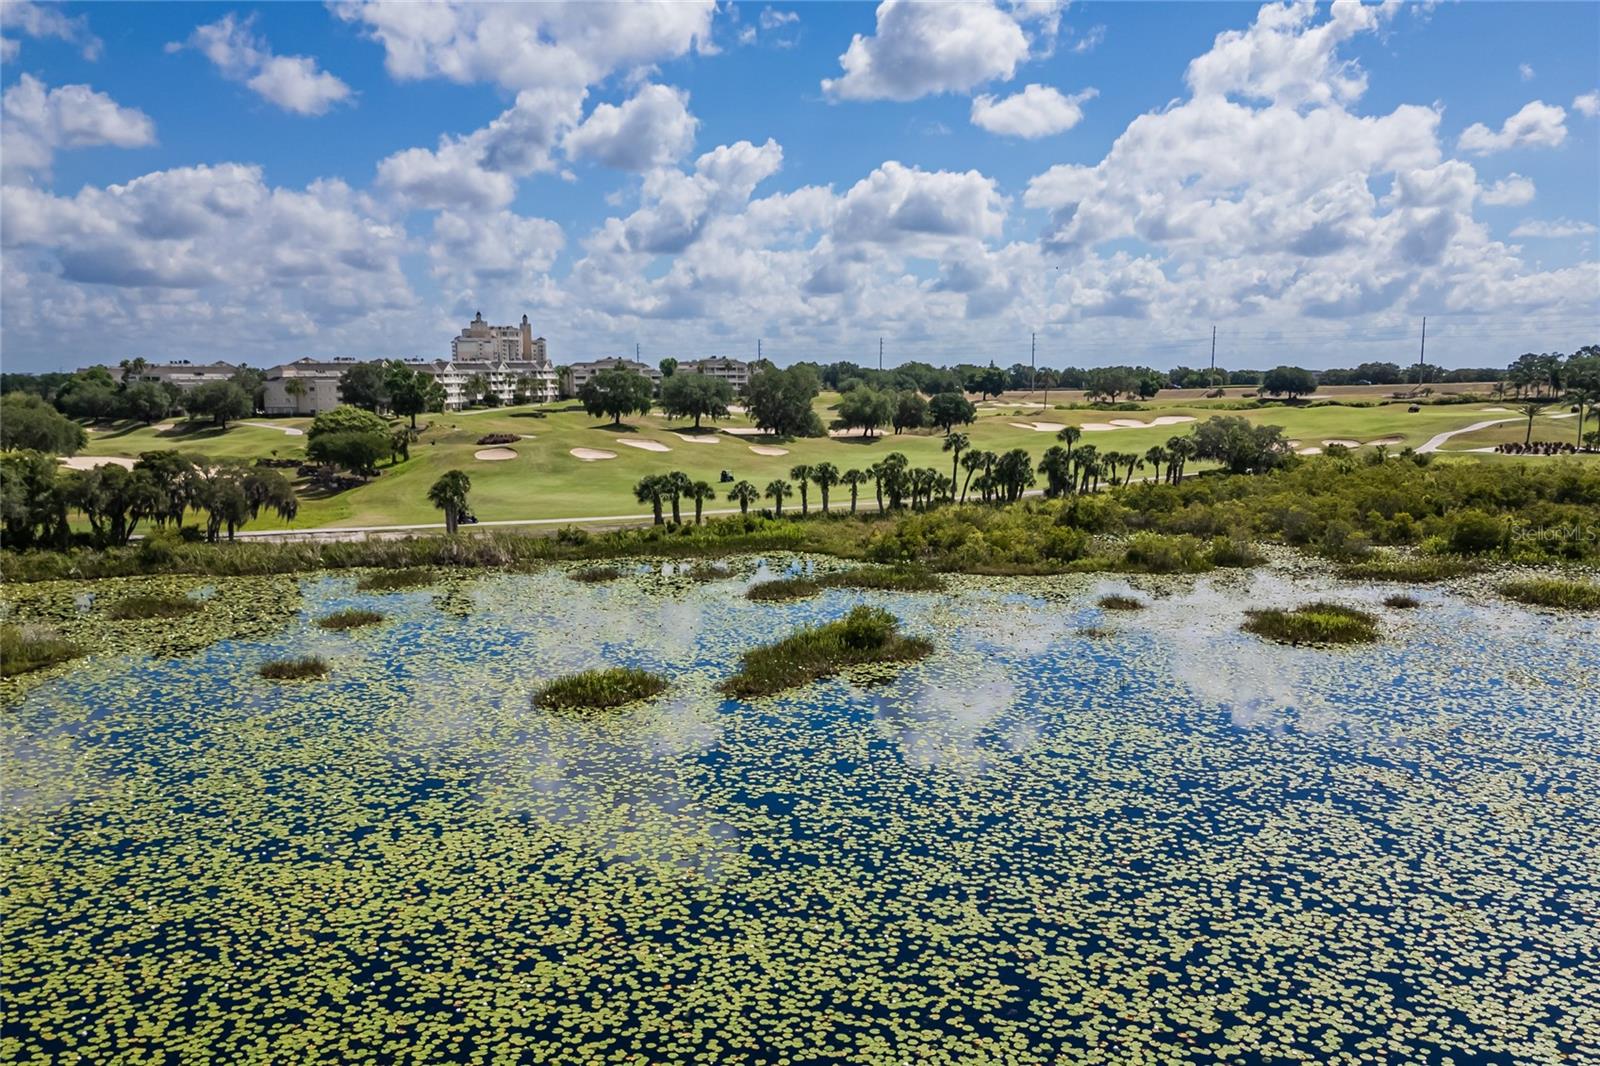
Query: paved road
{"x":1433,"y":442}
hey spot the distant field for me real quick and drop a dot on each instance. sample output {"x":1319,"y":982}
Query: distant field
{"x":546,"y":481}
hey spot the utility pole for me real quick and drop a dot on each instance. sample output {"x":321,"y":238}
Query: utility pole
{"x":1211,"y":377}
{"x":636,"y":351}
{"x":758,"y":349}
{"x":1033,"y":362}
{"x":1422,"y":352}
{"x":880,"y":355}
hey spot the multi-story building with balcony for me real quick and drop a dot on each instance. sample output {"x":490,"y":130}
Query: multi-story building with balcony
{"x":736,"y":372}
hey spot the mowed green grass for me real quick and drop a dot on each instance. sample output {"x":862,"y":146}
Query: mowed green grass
{"x":238,"y":441}
{"x":546,"y":481}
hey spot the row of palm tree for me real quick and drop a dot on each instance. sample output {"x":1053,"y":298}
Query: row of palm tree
{"x":659,"y":490}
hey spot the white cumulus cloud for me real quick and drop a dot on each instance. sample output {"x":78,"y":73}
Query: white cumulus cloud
{"x":291,"y":82}
{"x":923,"y":48}
{"x":1037,"y":111}
{"x":649,"y":129}
{"x":1587,"y":104}
{"x":37,"y":122}
{"x":45,"y":20}
{"x":1510,"y":191}
{"x":1553,"y":229}
{"x":1537,"y":125}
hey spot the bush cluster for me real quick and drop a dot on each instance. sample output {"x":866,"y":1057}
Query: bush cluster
{"x":598,"y":690}
{"x":865,"y":635}
{"x":1313,"y":623}
{"x":1554,"y":592}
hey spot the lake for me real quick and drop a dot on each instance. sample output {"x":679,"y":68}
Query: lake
{"x":1069,"y":835}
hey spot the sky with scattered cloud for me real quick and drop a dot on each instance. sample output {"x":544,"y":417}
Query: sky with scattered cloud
{"x":260,"y":183}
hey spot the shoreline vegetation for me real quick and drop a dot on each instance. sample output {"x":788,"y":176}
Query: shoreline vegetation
{"x":1313,"y":623}
{"x":1392,"y":520}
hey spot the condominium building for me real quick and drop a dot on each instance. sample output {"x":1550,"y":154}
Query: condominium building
{"x":304,"y":387}
{"x":580,"y":373}
{"x":736,"y":372}
{"x":183,"y":374}
{"x":481,"y":342}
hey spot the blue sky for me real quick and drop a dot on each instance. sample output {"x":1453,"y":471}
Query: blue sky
{"x":265,"y":182}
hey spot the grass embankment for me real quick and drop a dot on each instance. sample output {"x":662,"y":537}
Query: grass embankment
{"x":134,"y":607}
{"x":26,"y":648}
{"x":303,"y":668}
{"x":865,"y":635}
{"x":396,"y":580}
{"x":1554,"y":592}
{"x":1313,"y":623}
{"x":881,"y":578}
{"x":599,"y":690}
{"x":350,"y":618}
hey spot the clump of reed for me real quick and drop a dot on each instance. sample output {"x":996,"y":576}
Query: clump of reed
{"x":395,"y":580}
{"x":302,"y":668}
{"x":881,"y":578}
{"x":1416,"y":569}
{"x":595,"y":575}
{"x":1402,"y":601}
{"x":1313,"y":623}
{"x":865,"y":635}
{"x":134,"y":607}
{"x":1119,"y":602}
{"x":26,"y":648}
{"x":350,"y":618}
{"x":598,"y":690}
{"x":1554,"y":592}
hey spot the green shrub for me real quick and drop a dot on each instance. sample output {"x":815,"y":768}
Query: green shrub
{"x":1233,"y":551}
{"x":1554,"y":592}
{"x":865,"y":635}
{"x":1472,"y":532}
{"x":1158,"y":553}
{"x":29,"y":647}
{"x":1314,"y":623}
{"x":395,"y":580}
{"x":300,"y":669}
{"x":884,"y":578}
{"x":350,"y":618}
{"x":597,"y":690}
{"x":1121,"y":603}
{"x":132,"y":607}
{"x":1401,"y":601}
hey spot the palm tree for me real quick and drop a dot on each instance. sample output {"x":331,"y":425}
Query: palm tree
{"x":855,"y":479}
{"x":1134,"y":463}
{"x":1088,"y":463}
{"x":802,"y":474}
{"x":955,"y":443}
{"x":744,"y":494}
{"x":1057,"y":470}
{"x":877,"y":472}
{"x":650,"y":489}
{"x":1155,"y":456}
{"x":700,"y":492}
{"x":778,"y":490}
{"x":970,"y":463}
{"x":295,"y":388}
{"x":449,"y":494}
{"x":477,"y":387}
{"x":1071,"y":435}
{"x":677,"y":487}
{"x":1531,"y":408}
{"x":826,"y":475}
{"x":1179,"y":451}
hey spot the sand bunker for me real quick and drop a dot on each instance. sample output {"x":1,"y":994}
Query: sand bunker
{"x":592,"y":455}
{"x":165,"y":427}
{"x":698,"y":438}
{"x":1134,"y":423}
{"x":1040,"y":427}
{"x":494,"y":455}
{"x":1386,"y":440}
{"x":1499,"y":410}
{"x":644,"y":445}
{"x":89,"y":462}
{"x":744,"y":431}
{"x":1341,"y":443}
{"x":762,"y":449}
{"x":288,"y":430}
{"x":1309,"y":451}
